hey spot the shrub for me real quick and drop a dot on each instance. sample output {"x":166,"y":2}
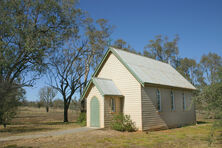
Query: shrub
{"x":121,"y":122}
{"x":82,"y":119}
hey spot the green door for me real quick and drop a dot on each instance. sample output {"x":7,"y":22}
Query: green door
{"x":94,"y":112}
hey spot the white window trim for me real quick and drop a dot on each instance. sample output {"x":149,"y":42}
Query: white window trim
{"x":113,"y":103}
{"x":160,"y":109}
{"x":184,"y":102}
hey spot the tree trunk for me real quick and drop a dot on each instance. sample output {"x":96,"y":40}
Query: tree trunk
{"x":82,"y":106}
{"x":65,"y":112}
{"x":4,"y":125}
{"x":47,"y":109}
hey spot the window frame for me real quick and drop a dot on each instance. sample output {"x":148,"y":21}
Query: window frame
{"x":172,"y":96}
{"x":183,"y":101}
{"x":113,"y":105}
{"x":158,"y":97}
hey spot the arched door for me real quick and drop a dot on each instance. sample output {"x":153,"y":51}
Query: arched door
{"x":94,"y":112}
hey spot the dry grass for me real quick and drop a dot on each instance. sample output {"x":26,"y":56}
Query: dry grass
{"x":34,"y":120}
{"x":196,"y":136}
{"x":185,"y":137}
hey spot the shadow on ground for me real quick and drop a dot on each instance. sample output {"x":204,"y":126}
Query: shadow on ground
{"x":15,"y":146}
{"x":202,"y":122}
{"x":24,"y":129}
{"x":30,"y":116}
{"x":57,"y":123}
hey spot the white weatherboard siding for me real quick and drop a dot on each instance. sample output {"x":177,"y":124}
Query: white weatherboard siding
{"x":128,"y":86}
{"x":154,"y":119}
{"x":150,"y":115}
{"x":94,"y":92}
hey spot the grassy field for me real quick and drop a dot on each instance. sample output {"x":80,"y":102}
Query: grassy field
{"x":195,"y":136}
{"x":34,"y":120}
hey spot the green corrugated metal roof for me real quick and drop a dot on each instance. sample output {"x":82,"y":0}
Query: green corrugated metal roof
{"x":106,"y":86}
{"x":152,"y":71}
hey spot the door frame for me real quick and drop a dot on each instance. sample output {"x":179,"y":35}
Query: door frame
{"x":93,"y":98}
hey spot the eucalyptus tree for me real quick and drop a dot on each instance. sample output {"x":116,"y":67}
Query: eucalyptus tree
{"x":29,"y":31}
{"x":163,"y":50}
{"x":122,"y":44}
{"x":66,"y":71}
{"x":190,"y":69}
{"x":97,"y":40}
{"x":70,"y":65}
{"x":210,"y":65}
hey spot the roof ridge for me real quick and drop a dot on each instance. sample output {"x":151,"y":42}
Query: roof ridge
{"x":102,"y":78}
{"x":139,"y":55}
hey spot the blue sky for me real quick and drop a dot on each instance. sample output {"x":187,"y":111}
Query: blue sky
{"x":197,"y":22}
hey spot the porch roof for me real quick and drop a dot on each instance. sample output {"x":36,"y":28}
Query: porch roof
{"x":106,"y":87}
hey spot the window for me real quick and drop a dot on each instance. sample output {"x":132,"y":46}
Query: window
{"x":158,"y":100}
{"x":172,"y":101}
{"x":113,"y":105}
{"x":184,"y":103}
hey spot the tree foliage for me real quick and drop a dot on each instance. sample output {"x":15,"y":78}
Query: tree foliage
{"x":210,"y":98}
{"x":29,"y":32}
{"x":9,"y":103}
{"x":163,"y":50}
{"x":121,"y":44}
{"x":190,"y":69}
{"x":210,"y":65}
{"x":121,"y":122}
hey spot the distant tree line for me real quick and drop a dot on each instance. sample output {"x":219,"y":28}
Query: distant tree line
{"x":55,"y":104}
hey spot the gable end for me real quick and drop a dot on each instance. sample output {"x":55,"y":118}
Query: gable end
{"x":99,"y":67}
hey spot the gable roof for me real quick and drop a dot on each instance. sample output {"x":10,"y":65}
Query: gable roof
{"x":152,"y":71}
{"x":146,"y":70}
{"x":106,"y":87}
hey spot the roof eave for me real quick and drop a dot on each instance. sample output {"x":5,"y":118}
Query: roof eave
{"x":193,"y":89}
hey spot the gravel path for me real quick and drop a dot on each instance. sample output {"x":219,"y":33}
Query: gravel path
{"x":47,"y":134}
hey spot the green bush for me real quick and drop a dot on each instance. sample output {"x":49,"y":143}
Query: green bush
{"x":121,"y":122}
{"x":82,"y":119}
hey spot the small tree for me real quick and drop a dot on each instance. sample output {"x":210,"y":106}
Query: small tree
{"x":46,"y":95}
{"x":121,"y":122}
{"x":9,"y":101}
{"x":210,"y":98}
